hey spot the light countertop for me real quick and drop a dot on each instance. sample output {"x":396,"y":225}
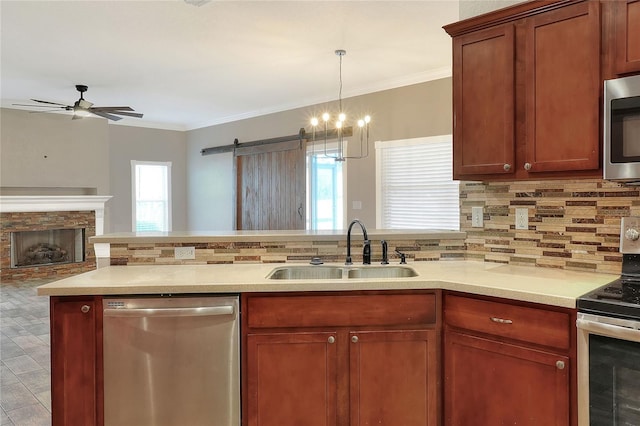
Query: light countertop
{"x":301,"y":235}
{"x":532,"y":284}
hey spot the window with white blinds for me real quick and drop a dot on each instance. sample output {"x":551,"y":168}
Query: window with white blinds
{"x":414,"y":184}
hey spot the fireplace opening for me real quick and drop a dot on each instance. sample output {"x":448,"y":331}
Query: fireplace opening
{"x":55,"y":246}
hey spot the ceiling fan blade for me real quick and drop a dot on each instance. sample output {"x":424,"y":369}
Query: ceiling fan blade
{"x":47,"y":102}
{"x":107,"y":109}
{"x":105,"y":115}
{"x":40,"y":106}
{"x":128,"y":114}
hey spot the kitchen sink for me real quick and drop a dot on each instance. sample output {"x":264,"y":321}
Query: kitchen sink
{"x":382,"y":272}
{"x":306,"y":273}
{"x":339,"y":272}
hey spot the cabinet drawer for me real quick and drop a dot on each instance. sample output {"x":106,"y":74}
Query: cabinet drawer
{"x":340,"y":310}
{"x":533,"y":325}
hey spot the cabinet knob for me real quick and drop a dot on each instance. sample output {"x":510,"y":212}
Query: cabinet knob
{"x":85,"y":309}
{"x":527,"y":166}
{"x":506,"y":167}
{"x":354,"y":339}
{"x":560,"y":365}
{"x":331,"y":339}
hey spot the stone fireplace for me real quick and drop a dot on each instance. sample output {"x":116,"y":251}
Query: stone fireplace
{"x":48,"y":236}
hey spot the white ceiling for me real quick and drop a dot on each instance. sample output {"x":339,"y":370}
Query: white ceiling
{"x":187,"y":66}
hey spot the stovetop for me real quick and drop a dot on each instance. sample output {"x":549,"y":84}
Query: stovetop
{"x":619,"y":298}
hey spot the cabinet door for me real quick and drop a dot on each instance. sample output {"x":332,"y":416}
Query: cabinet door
{"x":492,"y":383}
{"x":483,"y":99}
{"x":627,"y":36}
{"x":563,"y":86}
{"x":394,"y":378}
{"x":291,"y":379}
{"x":76,"y":355}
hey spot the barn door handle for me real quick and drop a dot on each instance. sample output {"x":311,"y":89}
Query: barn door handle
{"x":300,"y":211}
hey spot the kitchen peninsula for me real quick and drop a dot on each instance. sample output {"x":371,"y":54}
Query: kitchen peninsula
{"x":338,"y":344}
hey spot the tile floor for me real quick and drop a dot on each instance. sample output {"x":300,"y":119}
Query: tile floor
{"x":25,"y":383}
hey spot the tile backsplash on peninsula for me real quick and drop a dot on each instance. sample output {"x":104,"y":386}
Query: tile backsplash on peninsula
{"x":573,"y":224}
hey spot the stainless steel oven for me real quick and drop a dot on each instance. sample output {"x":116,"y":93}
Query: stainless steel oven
{"x":608,"y":371}
{"x":621,"y":159}
{"x":608,"y":326}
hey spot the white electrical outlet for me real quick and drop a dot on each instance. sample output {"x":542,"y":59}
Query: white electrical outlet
{"x":184,"y":253}
{"x":522,"y":218}
{"x":477,"y":220}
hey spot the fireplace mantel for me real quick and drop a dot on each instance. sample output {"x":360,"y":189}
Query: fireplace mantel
{"x":54,"y":203}
{"x":25,"y":213}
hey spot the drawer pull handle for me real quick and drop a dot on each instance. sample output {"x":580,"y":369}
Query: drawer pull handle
{"x":331,"y":339}
{"x":560,"y":365}
{"x":354,"y":339}
{"x":85,"y":309}
{"x":501,"y":320}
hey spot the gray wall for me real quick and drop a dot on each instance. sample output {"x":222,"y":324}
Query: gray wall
{"x":51,"y":154}
{"x":470,"y":8}
{"x":51,"y":150}
{"x":128,"y":143}
{"x":408,"y":112}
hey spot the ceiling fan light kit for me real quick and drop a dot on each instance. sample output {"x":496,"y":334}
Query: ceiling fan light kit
{"x":83,"y":108}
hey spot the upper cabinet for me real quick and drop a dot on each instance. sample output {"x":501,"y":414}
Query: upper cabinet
{"x":484,"y":101}
{"x":626,"y":35}
{"x":526,"y":92}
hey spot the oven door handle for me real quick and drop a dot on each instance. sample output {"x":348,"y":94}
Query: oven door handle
{"x":616,"y":331}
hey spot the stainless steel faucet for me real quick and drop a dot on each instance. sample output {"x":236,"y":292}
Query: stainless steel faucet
{"x":366,"y":248}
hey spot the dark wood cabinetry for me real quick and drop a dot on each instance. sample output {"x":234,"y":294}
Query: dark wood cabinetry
{"x":293,"y":379}
{"x":507,"y":363}
{"x":626,"y":24}
{"x":526,"y":91}
{"x":493,"y":383}
{"x":76,"y":361}
{"x":484,"y":102}
{"x":337,"y":359}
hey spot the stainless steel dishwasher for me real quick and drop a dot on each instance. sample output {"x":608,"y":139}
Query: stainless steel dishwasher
{"x":171,"y":361}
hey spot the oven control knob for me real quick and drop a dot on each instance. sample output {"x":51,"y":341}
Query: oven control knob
{"x":632,"y":234}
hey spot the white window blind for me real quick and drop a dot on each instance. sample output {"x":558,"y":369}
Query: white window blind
{"x":415,"y":186}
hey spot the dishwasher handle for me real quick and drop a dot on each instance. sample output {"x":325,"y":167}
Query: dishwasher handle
{"x":170,"y":312}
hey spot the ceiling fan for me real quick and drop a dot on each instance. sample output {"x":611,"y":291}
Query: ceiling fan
{"x":82,"y":108}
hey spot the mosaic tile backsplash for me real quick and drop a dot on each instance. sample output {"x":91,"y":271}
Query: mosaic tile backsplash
{"x":573,"y":224}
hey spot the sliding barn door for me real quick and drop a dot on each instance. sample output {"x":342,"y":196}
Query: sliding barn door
{"x":271,"y":189}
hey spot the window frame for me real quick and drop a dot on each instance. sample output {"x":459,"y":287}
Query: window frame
{"x":318,"y":148}
{"x":134,"y":201}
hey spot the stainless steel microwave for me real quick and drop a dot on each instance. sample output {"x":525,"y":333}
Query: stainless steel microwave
{"x":621,"y":159}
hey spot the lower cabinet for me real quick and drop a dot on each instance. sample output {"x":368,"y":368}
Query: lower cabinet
{"x":76,"y":361}
{"x":507,"y":364}
{"x":369,"y":361}
{"x":292,"y":379}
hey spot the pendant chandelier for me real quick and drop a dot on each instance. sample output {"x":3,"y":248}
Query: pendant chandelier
{"x":336,"y":127}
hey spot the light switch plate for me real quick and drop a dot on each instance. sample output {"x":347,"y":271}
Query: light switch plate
{"x":522,"y":218}
{"x":184,"y":253}
{"x":477,"y":220}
